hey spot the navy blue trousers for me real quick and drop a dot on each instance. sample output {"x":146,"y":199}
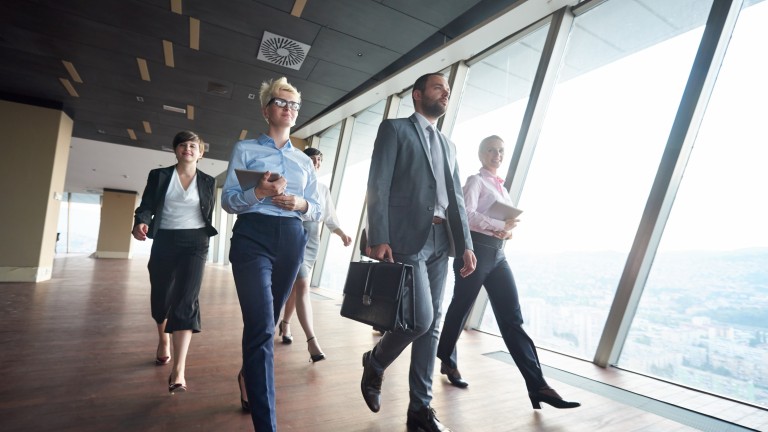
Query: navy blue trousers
{"x":493,"y":272}
{"x":266,"y":253}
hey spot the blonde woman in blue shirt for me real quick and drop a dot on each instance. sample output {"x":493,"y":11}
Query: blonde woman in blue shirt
{"x":268,"y":239}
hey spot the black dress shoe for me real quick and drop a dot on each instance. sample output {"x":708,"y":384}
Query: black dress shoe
{"x":454,"y":376}
{"x":370,"y":385}
{"x":426,"y":420}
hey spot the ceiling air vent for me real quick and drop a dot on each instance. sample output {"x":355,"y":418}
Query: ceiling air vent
{"x":281,"y":51}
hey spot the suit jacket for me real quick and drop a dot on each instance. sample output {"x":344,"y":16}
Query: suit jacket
{"x":150,"y":211}
{"x":402,"y":190}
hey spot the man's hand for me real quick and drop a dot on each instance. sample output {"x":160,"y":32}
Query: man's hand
{"x":140,"y":231}
{"x":267,"y":188}
{"x":470,"y":262}
{"x":382,"y":252}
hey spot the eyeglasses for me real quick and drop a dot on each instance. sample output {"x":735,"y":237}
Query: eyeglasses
{"x":282,"y":103}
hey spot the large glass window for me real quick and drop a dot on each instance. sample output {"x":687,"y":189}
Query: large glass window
{"x":703,"y":317}
{"x":624,"y":72}
{"x":78,"y":225}
{"x":329,"y":145}
{"x":352,"y":194}
{"x":493,"y":103}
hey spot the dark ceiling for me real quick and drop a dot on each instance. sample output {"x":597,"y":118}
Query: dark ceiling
{"x":353,"y":45}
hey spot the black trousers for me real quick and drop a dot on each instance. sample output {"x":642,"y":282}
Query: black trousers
{"x":176,"y":266}
{"x":493,"y":272}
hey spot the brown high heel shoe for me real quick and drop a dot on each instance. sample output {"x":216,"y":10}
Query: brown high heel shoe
{"x":287,"y":337}
{"x":314,"y":358}
{"x":549,"y":396}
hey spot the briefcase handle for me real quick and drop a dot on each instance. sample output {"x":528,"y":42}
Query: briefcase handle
{"x":368,"y":288}
{"x":367,"y":291}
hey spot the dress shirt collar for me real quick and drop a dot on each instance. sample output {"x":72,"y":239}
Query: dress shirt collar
{"x":267,"y":140}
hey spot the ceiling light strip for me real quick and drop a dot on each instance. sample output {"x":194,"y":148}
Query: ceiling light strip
{"x":191,"y":112}
{"x":68,"y":86}
{"x":131,"y":134}
{"x":168,"y":53}
{"x":176,"y":6}
{"x":147,"y":127}
{"x":194,"y":33}
{"x":72,"y":72}
{"x":243,"y":133}
{"x":174,"y":109}
{"x":143,"y":68}
{"x":298,"y":8}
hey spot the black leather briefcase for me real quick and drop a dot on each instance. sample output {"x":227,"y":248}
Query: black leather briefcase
{"x":380,"y":294}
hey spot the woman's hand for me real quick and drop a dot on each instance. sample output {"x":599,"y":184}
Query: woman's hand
{"x":291,"y":202}
{"x":510,"y":223}
{"x":347,"y":240}
{"x":140,"y":231}
{"x":267,"y":188}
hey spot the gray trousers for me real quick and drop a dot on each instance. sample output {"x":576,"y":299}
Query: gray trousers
{"x":430,"y":267}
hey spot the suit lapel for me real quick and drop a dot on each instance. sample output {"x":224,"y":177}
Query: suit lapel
{"x":420,"y":133}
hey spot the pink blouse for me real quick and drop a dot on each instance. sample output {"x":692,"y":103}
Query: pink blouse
{"x":480,"y":192}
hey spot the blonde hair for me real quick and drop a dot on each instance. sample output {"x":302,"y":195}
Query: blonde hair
{"x":485,"y":142}
{"x":269,"y":89}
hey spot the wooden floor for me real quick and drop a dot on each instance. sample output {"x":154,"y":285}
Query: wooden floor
{"x":78,"y":350}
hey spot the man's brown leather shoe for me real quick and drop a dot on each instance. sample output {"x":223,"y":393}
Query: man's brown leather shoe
{"x":370,"y":385}
{"x":426,"y":420}
{"x":454,"y":376}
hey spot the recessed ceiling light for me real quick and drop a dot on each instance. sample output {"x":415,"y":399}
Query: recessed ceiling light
{"x":69,"y":87}
{"x":143,"y":68}
{"x":101,"y":131}
{"x":194,"y":33}
{"x":72,"y":71}
{"x":176,"y":6}
{"x":168,"y":53}
{"x":251,"y":96}
{"x":174,"y":109}
{"x":139,"y":99}
{"x":190,"y":112}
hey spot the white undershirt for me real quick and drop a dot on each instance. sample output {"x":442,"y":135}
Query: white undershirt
{"x":181,"y":209}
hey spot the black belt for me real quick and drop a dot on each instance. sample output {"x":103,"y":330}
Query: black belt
{"x":436,"y":220}
{"x":486,"y":240}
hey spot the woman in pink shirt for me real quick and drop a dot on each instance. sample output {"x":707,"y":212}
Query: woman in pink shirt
{"x":481,"y":191}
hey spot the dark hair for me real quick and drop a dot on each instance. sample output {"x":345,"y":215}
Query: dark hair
{"x":311,"y":151}
{"x":421,"y":82}
{"x":185,"y":136}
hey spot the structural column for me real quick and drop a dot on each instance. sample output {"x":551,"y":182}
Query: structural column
{"x":117,"y":209}
{"x":33,"y":168}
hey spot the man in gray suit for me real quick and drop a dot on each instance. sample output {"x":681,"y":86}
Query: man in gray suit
{"x":416,"y":216}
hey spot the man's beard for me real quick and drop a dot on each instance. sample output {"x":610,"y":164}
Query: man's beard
{"x":433,"y":108}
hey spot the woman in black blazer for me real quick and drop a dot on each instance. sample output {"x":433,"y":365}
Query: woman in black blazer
{"x":176,"y":210}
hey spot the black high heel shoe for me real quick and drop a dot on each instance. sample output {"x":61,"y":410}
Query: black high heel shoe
{"x":549,"y":396}
{"x":314,"y":358}
{"x":287,"y":338}
{"x":243,"y":403}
